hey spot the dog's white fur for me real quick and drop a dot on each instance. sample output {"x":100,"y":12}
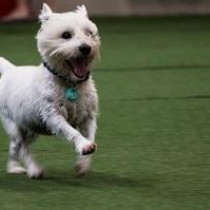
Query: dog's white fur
{"x":32,"y":99}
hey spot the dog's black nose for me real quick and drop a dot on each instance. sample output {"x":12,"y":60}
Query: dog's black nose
{"x":85,"y":49}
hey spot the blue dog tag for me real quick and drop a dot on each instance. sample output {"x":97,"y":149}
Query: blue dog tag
{"x":71,"y":94}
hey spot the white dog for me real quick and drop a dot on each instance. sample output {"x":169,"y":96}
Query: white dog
{"x":57,"y":97}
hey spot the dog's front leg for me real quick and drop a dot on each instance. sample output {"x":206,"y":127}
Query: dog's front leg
{"x":88,"y":129}
{"x":58,"y":125}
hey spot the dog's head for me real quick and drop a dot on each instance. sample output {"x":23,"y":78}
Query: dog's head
{"x":68,"y":42}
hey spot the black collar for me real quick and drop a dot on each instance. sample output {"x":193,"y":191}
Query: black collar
{"x":68,"y":81}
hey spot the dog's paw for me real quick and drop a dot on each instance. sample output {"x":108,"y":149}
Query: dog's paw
{"x":85,"y":147}
{"x":82,"y":165}
{"x":35,"y":172}
{"x":16,"y":170}
{"x":88,"y":149}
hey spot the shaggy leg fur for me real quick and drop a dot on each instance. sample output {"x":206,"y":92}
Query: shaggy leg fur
{"x":14,"y":165}
{"x":19,"y":151}
{"x":34,"y":171}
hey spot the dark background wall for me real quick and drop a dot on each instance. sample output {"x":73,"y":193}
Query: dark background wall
{"x":136,"y":7}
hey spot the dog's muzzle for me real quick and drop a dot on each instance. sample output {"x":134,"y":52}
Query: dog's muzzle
{"x":80,"y":64}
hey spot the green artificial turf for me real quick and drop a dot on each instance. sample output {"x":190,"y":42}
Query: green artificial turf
{"x":154,"y":124}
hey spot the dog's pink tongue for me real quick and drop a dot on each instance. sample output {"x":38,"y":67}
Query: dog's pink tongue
{"x":80,"y":69}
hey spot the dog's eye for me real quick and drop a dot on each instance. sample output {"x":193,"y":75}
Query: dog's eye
{"x":95,"y":35}
{"x":66,"y":35}
{"x":88,"y":32}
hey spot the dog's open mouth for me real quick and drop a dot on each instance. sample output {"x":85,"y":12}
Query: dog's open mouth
{"x":79,"y":66}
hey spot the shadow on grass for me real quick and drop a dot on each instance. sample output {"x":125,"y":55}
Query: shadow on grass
{"x":60,"y":181}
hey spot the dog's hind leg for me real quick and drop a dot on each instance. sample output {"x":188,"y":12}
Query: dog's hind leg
{"x":88,"y":130}
{"x":15,"y":145}
{"x":34,"y":171}
{"x":18,"y":151}
{"x":14,"y":165}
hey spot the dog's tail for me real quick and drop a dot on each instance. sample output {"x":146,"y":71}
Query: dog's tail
{"x":5,"y":65}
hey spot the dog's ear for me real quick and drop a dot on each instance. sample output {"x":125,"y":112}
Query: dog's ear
{"x":45,"y":13}
{"x":82,"y":10}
